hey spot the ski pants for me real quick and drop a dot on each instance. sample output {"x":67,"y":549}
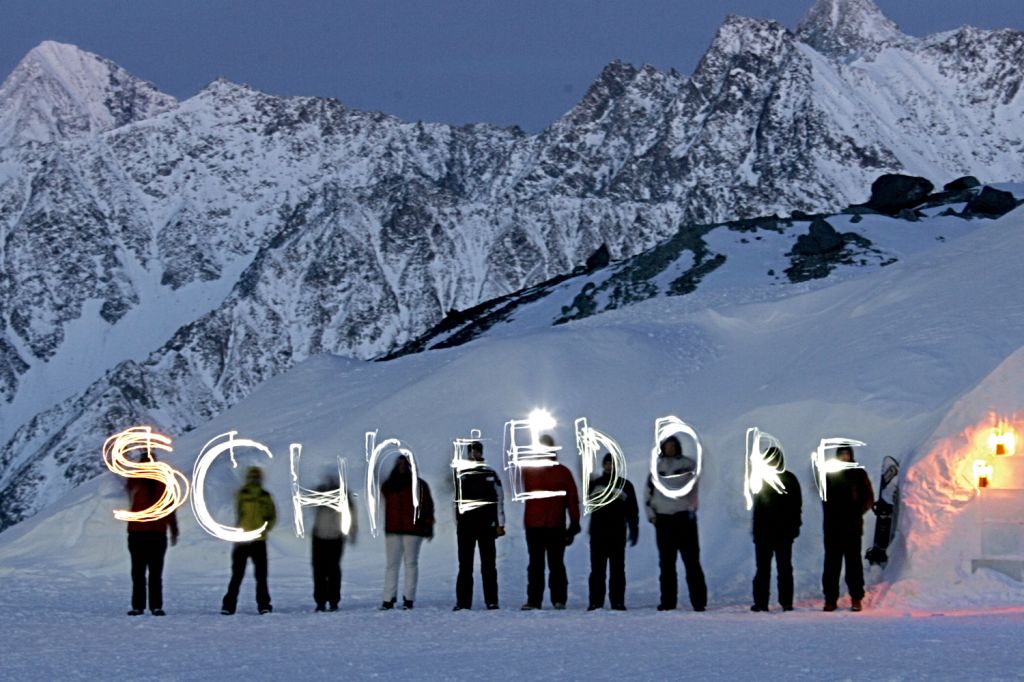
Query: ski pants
{"x":326,"y":558}
{"x":546,"y":545}
{"x":402,"y":550}
{"x":240,"y":555}
{"x":469,"y":537}
{"x":782,"y":549}
{"x":147,"y":550}
{"x":840,"y":546}
{"x":676,"y":535}
{"x":608,"y":553}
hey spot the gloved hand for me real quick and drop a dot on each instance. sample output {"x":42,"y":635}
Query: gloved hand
{"x":174,"y":539}
{"x":570,"y":535}
{"x":634,"y":535}
{"x":499,"y":531}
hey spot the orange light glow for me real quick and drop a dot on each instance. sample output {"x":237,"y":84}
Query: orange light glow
{"x":1002,"y":440}
{"x":142,"y":438}
{"x":982,"y":473}
{"x":987,"y":459}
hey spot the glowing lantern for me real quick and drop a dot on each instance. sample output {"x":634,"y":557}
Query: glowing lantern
{"x":982,"y":472}
{"x":1002,"y":441}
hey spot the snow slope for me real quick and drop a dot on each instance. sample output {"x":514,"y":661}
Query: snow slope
{"x":882,"y":358}
{"x":901,"y":358}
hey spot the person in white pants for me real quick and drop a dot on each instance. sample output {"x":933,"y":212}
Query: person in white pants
{"x":405,"y":528}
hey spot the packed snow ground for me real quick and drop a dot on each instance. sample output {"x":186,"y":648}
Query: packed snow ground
{"x":73,"y":629}
{"x":903,"y":358}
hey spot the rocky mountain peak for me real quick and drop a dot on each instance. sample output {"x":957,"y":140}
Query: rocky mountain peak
{"x":845,"y":29}
{"x":60,"y":92}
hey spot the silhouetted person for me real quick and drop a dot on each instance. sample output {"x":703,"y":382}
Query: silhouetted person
{"x":675,"y":527}
{"x":479,"y":527}
{"x":609,"y":526}
{"x":327,"y":548}
{"x":147,"y":545}
{"x":546,"y":533}
{"x":776,"y":524}
{"x":253,"y":507}
{"x":848,"y":496}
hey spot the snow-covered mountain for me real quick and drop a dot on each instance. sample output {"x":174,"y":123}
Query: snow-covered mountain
{"x":58,"y":92}
{"x":162,"y":259}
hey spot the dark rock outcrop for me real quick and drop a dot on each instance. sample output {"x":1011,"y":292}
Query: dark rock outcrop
{"x":991,"y":202}
{"x":961,"y":184}
{"x":891,"y":193}
{"x":821,"y":239}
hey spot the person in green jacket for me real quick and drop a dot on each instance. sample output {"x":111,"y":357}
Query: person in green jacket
{"x":254,"y":507}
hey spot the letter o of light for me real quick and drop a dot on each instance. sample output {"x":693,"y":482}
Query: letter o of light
{"x":663,"y":428}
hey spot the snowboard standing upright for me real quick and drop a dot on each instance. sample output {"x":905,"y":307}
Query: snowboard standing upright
{"x":886,"y":510}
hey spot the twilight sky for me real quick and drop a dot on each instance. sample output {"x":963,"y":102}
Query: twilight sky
{"x":519,"y":62}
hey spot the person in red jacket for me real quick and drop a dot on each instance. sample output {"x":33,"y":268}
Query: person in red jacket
{"x":546,"y":534}
{"x":404,"y":531}
{"x":147,"y":545}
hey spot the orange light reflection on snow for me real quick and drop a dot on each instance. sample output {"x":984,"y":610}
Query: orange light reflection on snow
{"x":983,"y":464}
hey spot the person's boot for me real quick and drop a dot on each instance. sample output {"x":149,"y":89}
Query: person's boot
{"x":829,"y":607}
{"x":387,"y":605}
{"x":406,"y":604}
{"x":855,"y":605}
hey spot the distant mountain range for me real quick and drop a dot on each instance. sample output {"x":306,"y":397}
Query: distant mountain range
{"x":160,"y":258}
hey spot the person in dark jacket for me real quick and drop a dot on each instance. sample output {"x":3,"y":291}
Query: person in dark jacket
{"x":848,"y":496}
{"x":404,"y":531}
{"x":776,"y":524}
{"x":254,"y":507}
{"x":675,"y":527}
{"x":147,"y":546}
{"x":546,"y":534}
{"x":609,"y":526}
{"x":479,"y":523}
{"x":328,"y":545}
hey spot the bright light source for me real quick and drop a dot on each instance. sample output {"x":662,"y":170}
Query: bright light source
{"x":304,"y":497}
{"x":1002,"y":441}
{"x":541,"y":420}
{"x":757,"y":471}
{"x":376,"y":454}
{"x":590,"y":442}
{"x":664,"y":427}
{"x":823,"y":466}
{"x":210,"y":452}
{"x":138,"y":438}
{"x":982,"y":473}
